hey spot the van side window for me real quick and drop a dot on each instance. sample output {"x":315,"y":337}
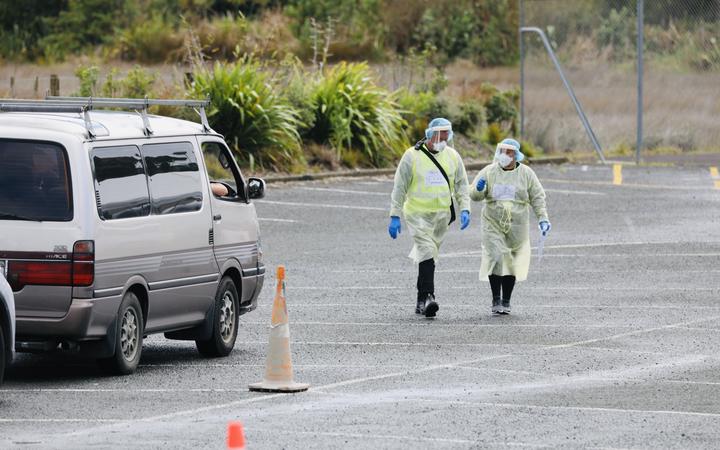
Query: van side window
{"x":174,"y":177}
{"x":121,"y":189}
{"x":221,"y":168}
{"x":34,"y":181}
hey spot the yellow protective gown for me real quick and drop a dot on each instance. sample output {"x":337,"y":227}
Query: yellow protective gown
{"x":508,"y":195}
{"x":421,"y":193}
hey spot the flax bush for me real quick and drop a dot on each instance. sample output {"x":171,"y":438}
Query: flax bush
{"x":257,"y":122}
{"x":353,"y":114}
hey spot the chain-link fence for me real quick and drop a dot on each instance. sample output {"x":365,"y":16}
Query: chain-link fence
{"x":596,"y":42}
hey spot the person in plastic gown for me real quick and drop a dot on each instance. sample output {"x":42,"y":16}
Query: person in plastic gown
{"x":508,"y":189}
{"x":424,"y":197}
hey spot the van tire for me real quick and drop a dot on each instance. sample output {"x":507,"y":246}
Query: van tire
{"x":225,"y":321}
{"x":128,"y":338}
{"x":2,"y":353}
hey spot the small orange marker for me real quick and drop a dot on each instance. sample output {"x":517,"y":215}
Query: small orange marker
{"x":235,"y":436}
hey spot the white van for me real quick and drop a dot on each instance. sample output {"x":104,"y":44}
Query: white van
{"x":110,"y":230}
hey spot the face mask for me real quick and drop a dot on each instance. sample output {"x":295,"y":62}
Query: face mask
{"x":503,"y":159}
{"x":439,"y":146}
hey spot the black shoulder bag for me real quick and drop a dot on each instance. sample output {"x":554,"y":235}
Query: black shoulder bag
{"x":421,"y":146}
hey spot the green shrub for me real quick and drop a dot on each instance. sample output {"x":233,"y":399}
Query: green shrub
{"x":150,"y":41}
{"x":138,"y":83}
{"x":84,"y":23}
{"x":494,"y":134}
{"x":530,"y":149}
{"x":468,"y":118}
{"x":352,"y":33}
{"x":353,"y":113}
{"x":259,"y":124}
{"x":502,"y":110}
{"x":88,"y":77}
{"x":482,"y":30}
{"x":418,"y":109}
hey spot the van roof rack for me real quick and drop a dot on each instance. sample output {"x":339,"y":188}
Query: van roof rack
{"x":83,"y":105}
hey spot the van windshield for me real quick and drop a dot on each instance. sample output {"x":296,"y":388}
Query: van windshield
{"x":34,"y":181}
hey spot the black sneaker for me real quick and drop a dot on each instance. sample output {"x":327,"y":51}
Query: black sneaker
{"x":420,"y":307}
{"x":431,"y":306}
{"x":506,"y":306}
{"x":496,"y":306}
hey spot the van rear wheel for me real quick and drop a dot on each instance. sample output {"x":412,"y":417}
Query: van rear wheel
{"x":128,"y":338}
{"x":2,"y":353}
{"x":225,"y":321}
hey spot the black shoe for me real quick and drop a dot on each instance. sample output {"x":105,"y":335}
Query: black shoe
{"x":496,"y":306}
{"x":420,"y":307}
{"x":506,"y":306}
{"x":431,"y":306}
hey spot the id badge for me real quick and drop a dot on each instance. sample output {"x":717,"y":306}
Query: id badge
{"x":434,"y":178}
{"x":503,"y":192}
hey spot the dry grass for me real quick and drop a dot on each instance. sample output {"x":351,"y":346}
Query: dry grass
{"x":681,"y":109}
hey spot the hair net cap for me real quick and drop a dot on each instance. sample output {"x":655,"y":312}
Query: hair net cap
{"x":439,"y":124}
{"x":510,"y":144}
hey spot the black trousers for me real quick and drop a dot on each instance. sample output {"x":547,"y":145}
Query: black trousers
{"x":426,"y":278}
{"x":506,"y":282}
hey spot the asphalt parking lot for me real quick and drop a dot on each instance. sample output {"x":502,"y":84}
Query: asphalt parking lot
{"x":612,"y":343}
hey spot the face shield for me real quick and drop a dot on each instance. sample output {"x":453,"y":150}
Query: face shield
{"x":501,"y":152}
{"x":439,"y":134}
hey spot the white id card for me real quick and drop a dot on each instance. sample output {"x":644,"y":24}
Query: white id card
{"x":503,"y":192}
{"x":434,"y":178}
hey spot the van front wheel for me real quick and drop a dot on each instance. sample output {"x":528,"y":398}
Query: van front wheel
{"x":128,"y":338}
{"x":225,"y":321}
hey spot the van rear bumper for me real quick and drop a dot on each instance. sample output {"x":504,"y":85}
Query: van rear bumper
{"x":86,"y":319}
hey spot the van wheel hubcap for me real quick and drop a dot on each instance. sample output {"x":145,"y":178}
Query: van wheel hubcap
{"x":129,"y":334}
{"x":227,"y":317}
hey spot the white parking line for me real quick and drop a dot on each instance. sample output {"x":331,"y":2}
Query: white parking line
{"x":267,"y":219}
{"x":564,"y":191}
{"x":605,"y":244}
{"x":321,"y":205}
{"x":452,"y":325}
{"x":344,"y":191}
{"x":225,"y":406}
{"x":572,"y":408}
{"x":367,"y":436}
{"x":481,"y":305}
{"x":531,"y":288}
{"x":625,"y":185}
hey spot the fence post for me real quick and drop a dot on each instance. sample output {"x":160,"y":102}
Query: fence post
{"x":640,"y":70}
{"x":54,"y":85}
{"x":36,"y":87}
{"x":12,"y":87}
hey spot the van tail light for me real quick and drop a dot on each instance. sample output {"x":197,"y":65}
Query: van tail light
{"x":23,"y":273}
{"x":83,"y":263}
{"x":79,"y":271}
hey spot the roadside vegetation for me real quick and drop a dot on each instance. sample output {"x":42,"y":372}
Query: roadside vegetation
{"x":295,"y":84}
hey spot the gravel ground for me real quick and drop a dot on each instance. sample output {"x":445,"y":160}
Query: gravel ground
{"x":612,"y":342}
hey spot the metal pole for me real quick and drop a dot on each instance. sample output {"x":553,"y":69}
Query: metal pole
{"x":568,"y":87}
{"x":640,"y":72}
{"x":522,"y":71}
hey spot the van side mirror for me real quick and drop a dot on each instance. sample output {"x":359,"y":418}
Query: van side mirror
{"x":256,"y":188}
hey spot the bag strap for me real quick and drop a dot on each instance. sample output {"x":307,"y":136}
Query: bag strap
{"x":421,"y":146}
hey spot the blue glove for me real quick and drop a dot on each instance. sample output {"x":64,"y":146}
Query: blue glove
{"x":480,"y":186}
{"x":394,"y":227}
{"x":544,"y":227}
{"x":464,"y":219}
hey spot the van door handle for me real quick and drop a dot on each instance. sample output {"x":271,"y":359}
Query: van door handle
{"x":217,"y":217}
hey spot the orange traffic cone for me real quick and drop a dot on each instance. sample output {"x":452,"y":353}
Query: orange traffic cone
{"x":235,"y":436}
{"x":278,"y":367}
